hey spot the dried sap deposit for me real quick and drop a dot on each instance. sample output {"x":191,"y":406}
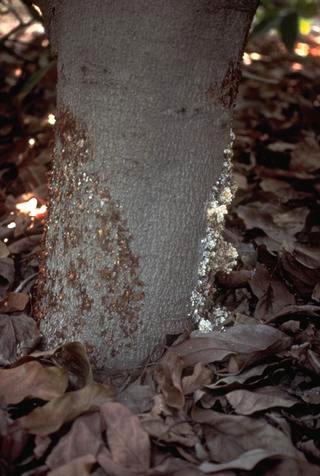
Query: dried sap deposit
{"x":216,"y":253}
{"x":90,"y":286}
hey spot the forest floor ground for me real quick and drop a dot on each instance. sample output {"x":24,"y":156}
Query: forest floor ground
{"x":245,"y":400}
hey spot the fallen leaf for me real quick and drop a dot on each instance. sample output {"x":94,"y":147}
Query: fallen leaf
{"x":229,"y":436}
{"x":245,"y":402}
{"x":49,"y":418}
{"x":79,"y":466}
{"x":305,"y":156}
{"x":246,"y":462}
{"x":32,"y":380}
{"x":169,"y":430}
{"x":13,"y":440}
{"x":128,"y":441}
{"x":25,"y":244}
{"x":73,"y":357}
{"x":168,"y":376}
{"x":247,"y":377}
{"x":18,"y":335}
{"x":200,"y":376}
{"x":245,"y":339}
{"x":14,"y":302}
{"x":311,"y":396}
{"x":84,"y":438}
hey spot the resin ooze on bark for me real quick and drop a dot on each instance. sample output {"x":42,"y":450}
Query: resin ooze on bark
{"x":144,"y":95}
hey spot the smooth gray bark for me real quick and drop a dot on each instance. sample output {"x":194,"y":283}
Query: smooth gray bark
{"x":145,"y":89}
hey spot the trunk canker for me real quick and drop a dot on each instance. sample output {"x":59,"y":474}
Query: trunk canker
{"x":145,"y":90}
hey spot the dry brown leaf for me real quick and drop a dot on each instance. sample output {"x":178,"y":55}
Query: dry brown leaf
{"x":49,"y":418}
{"x":246,"y":462}
{"x":305,"y":156}
{"x":247,"y":377}
{"x":25,"y":244}
{"x":307,"y":311}
{"x":73,"y":357}
{"x":241,"y":339}
{"x":229,"y":436}
{"x":303,"y":279}
{"x":128,"y":441}
{"x":168,"y":376}
{"x":79,"y":466}
{"x":200,"y":376}
{"x":169,"y":430}
{"x":311,"y":395}
{"x":18,"y":335}
{"x":114,"y":469}
{"x":32,"y":380}
{"x":13,"y":440}
{"x":278,"y":223}
{"x":245,"y":402}
{"x":14,"y":302}
{"x":84,"y":438}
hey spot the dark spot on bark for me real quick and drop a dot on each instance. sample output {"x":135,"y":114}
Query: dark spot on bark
{"x":226,"y":92}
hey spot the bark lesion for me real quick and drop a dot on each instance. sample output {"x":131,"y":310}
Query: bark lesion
{"x":225,"y":93}
{"x":104,"y":294}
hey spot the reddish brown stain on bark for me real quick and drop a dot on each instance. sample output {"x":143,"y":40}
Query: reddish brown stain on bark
{"x":117,"y":288}
{"x":226,"y":92}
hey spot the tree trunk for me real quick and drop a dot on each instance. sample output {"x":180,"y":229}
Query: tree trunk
{"x":145,"y":89}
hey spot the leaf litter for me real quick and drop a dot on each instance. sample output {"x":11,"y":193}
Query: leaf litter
{"x":242,"y":401}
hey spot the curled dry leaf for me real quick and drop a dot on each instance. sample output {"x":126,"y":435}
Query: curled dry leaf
{"x":228,"y":436}
{"x":252,"y":341}
{"x":302,"y":312}
{"x":18,"y":335}
{"x":32,"y":380}
{"x":200,"y":376}
{"x":73,"y":357}
{"x":168,"y":375}
{"x":245,"y":402}
{"x":247,"y":377}
{"x":128,"y":442}
{"x":49,"y":418}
